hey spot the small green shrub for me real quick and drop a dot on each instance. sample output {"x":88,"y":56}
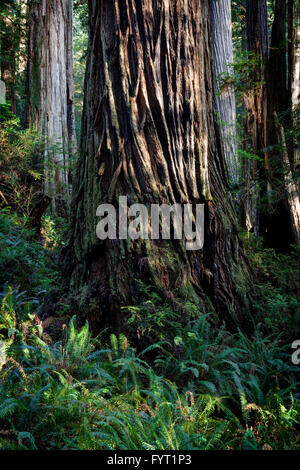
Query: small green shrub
{"x":82,"y":394}
{"x":21,"y":166}
{"x":277,"y":275}
{"x":25,"y":264}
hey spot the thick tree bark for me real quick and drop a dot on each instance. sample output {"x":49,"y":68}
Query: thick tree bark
{"x":50,"y":90}
{"x":223,"y":58}
{"x":255,"y":101}
{"x":150,"y":133}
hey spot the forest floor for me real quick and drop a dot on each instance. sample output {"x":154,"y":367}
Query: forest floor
{"x":193,"y":387}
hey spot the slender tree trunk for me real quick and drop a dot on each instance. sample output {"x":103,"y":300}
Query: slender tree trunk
{"x":280,"y":220}
{"x":8,"y":42}
{"x":50,"y":91}
{"x":295,"y":71}
{"x":277,"y":64}
{"x":255,"y":101}
{"x":293,"y":75}
{"x":291,"y":43}
{"x":150,"y":133}
{"x":223,"y":58}
{"x":292,"y":204}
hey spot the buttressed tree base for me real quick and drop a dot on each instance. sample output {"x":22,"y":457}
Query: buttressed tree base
{"x":150,"y":133}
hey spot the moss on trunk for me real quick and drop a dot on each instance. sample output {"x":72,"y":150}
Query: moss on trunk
{"x":150,"y":132}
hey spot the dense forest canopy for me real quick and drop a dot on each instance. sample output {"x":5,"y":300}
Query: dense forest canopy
{"x":149,"y":224}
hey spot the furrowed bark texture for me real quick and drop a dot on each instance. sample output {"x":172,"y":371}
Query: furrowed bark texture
{"x":223,"y":58}
{"x":50,"y":88}
{"x":150,"y":133}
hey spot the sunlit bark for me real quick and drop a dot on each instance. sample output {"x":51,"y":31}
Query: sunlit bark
{"x":223,"y":60}
{"x":50,"y":88}
{"x":150,"y":132}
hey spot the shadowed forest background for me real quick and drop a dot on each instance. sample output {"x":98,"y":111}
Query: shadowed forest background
{"x":141,"y":344}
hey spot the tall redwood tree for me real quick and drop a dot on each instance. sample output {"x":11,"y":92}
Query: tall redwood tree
{"x":150,"y":132}
{"x":50,"y":107}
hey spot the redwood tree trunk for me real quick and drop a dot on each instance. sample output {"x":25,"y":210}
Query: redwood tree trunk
{"x":223,"y":58}
{"x":150,"y":132}
{"x":50,"y":90}
{"x":255,"y":101}
{"x":295,"y":65}
{"x":8,"y":45}
{"x":293,"y":76}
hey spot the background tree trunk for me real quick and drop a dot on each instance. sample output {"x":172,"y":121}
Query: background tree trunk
{"x":280,"y":219}
{"x":295,"y":69}
{"x":223,"y":58}
{"x":293,"y":76}
{"x":8,"y":44}
{"x":255,"y":101}
{"x":50,"y":90}
{"x":150,"y":132}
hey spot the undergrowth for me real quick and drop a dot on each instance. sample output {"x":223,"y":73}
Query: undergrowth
{"x":193,"y":387}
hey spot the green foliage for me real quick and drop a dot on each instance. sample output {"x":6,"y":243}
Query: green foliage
{"x":174,"y":381}
{"x":277,"y":275}
{"x":20,"y":170}
{"x":82,"y":394}
{"x":190,"y":386}
{"x":25,"y":263}
{"x":13,"y":37}
{"x":153,"y":317}
{"x":244,"y":63}
{"x":53,"y":231}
